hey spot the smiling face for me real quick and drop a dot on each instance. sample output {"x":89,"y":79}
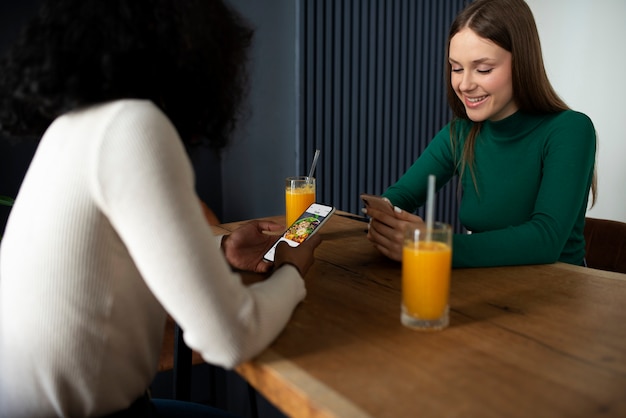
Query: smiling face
{"x":481,"y":76}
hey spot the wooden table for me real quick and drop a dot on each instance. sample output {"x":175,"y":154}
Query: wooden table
{"x":527,"y":341}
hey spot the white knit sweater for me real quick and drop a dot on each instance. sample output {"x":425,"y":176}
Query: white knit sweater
{"x":105,"y":236}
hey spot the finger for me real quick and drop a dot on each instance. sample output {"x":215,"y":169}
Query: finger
{"x":388,"y":253}
{"x":372,"y":214}
{"x":382,"y":229}
{"x":406,"y":216}
{"x":379,"y":234}
{"x":269,"y":226}
{"x":272,"y":233}
{"x":263,"y":266}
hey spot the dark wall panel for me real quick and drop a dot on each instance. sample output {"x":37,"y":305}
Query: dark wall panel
{"x":373,"y":93}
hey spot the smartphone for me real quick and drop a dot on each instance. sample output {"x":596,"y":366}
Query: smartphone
{"x":305,"y":226}
{"x":377,"y":202}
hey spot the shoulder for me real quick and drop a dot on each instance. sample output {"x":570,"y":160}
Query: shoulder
{"x":133,"y":137}
{"x":131,"y":121}
{"x":128,"y":130}
{"x":130,"y":112}
{"x":568,"y":126}
{"x":124,"y":113}
{"x":571,"y":119}
{"x":569,"y":130}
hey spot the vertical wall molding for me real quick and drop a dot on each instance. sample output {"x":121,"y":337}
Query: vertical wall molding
{"x":372,"y":93}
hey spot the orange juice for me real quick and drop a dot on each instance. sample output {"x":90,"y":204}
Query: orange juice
{"x":426,"y":278}
{"x":299,"y":195}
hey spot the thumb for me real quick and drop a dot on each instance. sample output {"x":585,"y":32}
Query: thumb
{"x":313,"y":241}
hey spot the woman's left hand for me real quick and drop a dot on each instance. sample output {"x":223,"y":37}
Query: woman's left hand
{"x":387,"y":231}
{"x":244,"y":248}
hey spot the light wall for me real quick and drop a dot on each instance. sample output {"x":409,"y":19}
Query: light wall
{"x":583,"y":48}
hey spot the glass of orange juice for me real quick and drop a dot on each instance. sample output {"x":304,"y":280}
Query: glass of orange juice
{"x":299,"y":195}
{"x":426,"y":269}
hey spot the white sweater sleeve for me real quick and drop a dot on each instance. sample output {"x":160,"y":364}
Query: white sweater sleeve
{"x":144,"y":183}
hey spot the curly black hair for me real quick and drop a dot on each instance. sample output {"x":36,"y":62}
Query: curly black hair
{"x":187,"y":56}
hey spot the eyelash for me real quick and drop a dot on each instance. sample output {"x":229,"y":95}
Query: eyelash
{"x":458,"y":70}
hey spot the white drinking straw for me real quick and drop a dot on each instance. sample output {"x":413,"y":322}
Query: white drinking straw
{"x":315,"y":157}
{"x":430,"y":204}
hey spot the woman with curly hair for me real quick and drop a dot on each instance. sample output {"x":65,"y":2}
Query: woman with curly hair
{"x":107,"y":234}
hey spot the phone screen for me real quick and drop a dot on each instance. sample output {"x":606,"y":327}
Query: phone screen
{"x":306,"y":225}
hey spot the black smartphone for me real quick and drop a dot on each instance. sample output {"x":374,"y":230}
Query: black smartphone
{"x":377,"y":202}
{"x":305,"y":226}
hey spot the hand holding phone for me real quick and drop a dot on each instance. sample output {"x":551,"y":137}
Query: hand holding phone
{"x":377,"y":202}
{"x":304,"y":227}
{"x":301,"y":257}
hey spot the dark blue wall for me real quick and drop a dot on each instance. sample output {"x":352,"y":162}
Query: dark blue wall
{"x":264,"y":151}
{"x":374,"y":94}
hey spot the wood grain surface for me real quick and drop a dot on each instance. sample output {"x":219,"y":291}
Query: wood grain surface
{"x":524,"y":341}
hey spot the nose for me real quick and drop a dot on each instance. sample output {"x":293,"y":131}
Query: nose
{"x":467,"y":81}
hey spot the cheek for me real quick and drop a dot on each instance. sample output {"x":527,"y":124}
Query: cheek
{"x":502,"y":86}
{"x":455,"y":81}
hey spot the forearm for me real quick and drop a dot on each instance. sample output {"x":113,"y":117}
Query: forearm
{"x":525,"y":244}
{"x":410,"y":191}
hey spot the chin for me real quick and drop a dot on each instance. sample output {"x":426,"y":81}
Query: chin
{"x":475,"y":116}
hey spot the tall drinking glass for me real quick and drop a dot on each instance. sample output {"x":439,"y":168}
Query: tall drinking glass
{"x":426,"y":269}
{"x":299,"y":195}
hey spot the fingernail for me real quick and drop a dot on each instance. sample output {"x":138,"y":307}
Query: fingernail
{"x":363,"y":210}
{"x":397,"y":209}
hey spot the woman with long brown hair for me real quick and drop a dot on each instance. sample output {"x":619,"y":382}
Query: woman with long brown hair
{"x":525,"y":161}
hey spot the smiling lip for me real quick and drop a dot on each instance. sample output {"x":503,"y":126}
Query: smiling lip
{"x":474,"y":101}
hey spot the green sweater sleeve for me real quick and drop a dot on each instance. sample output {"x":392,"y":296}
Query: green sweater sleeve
{"x":409,"y":193}
{"x":533,"y":178}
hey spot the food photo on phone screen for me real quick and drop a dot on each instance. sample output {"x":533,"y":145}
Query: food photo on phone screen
{"x":304,"y":227}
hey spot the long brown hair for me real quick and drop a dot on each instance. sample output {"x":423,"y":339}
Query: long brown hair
{"x":509,"y":24}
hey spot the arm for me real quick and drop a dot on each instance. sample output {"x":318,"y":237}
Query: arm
{"x":387,"y":232}
{"x":409,"y":192}
{"x":146,"y":188}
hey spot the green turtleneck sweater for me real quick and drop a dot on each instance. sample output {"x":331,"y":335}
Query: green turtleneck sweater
{"x":533,"y":174}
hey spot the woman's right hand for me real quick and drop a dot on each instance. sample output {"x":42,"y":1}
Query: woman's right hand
{"x":386,"y":231}
{"x":301,"y":257}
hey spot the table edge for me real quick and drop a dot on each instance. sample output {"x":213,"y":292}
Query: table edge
{"x":596,"y":272}
{"x":320,"y":398}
